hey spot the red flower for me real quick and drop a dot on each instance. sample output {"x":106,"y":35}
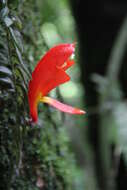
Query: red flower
{"x":49,"y":73}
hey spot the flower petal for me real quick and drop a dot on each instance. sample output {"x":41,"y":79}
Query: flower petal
{"x":60,"y":106}
{"x":35,"y":88}
{"x":68,"y":64}
{"x":51,"y":79}
{"x":59,"y":77}
{"x":49,"y":73}
{"x":55,"y":57}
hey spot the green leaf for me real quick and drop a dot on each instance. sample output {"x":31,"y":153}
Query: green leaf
{"x":22,"y":63}
{"x":3,"y":58}
{"x":8,"y":21}
{"x":5,"y":70}
{"x":6,"y":81}
{"x":4,"y":2}
{"x":17,"y":38}
{"x":17,"y":22}
{"x":4,"y":12}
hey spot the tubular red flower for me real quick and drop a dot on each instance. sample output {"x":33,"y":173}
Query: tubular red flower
{"x":48,"y":74}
